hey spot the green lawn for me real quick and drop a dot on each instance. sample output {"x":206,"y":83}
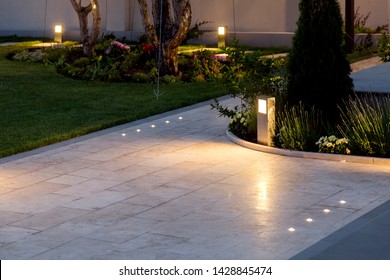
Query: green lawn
{"x":39,"y":107}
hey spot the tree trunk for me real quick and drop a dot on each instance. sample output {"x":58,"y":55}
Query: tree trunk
{"x":96,"y":20}
{"x":174,"y":26}
{"x":171,"y":61}
{"x":88,"y":41}
{"x":147,"y":22}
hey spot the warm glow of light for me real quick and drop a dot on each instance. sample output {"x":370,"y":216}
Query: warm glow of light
{"x":263,"y":190}
{"x":262,"y":201}
{"x":262,"y":106}
{"x":221,"y":30}
{"x":94,"y":6}
{"x":343,"y":202}
{"x":326,"y":211}
{"x":58,"y":28}
{"x":291,"y":229}
{"x":309,"y":220}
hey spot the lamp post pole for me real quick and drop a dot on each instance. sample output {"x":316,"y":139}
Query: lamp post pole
{"x":350,"y":25}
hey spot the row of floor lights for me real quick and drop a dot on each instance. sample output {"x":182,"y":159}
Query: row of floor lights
{"x":138,"y":130}
{"x":310,"y":220}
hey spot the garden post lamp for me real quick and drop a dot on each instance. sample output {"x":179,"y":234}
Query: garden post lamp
{"x":58,"y":33}
{"x":265,"y":120}
{"x":222,"y":30}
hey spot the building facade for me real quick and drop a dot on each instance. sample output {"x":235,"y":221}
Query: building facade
{"x":252,"y":22}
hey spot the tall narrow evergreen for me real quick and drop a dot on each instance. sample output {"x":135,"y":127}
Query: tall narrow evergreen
{"x":318,"y":68}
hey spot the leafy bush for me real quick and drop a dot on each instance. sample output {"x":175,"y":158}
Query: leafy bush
{"x":366,"y":123}
{"x":244,"y":124}
{"x":141,"y":77}
{"x":250,"y":74}
{"x":298,"y":129}
{"x":243,"y":120}
{"x":206,"y":66}
{"x":55,"y":52}
{"x":82,"y":62}
{"x":31,"y":56}
{"x":170,"y":79}
{"x":333,"y":145}
{"x":384,"y":47}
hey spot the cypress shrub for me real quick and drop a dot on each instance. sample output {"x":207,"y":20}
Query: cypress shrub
{"x":318,"y":68}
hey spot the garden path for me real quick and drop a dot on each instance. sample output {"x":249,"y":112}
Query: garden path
{"x":373,"y":77}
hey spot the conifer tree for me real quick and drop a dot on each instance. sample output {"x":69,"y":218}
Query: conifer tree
{"x":318,"y":68}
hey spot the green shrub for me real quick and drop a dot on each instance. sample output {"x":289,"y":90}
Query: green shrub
{"x":206,"y":64}
{"x":384,"y":47}
{"x":244,"y":124}
{"x":82,"y":62}
{"x":98,"y":70}
{"x":130,"y":62}
{"x":366,"y":123}
{"x":170,"y":79}
{"x":317,"y":67}
{"x":243,"y":120}
{"x":298,"y":129}
{"x":55,"y":52}
{"x":333,"y":145}
{"x":250,"y":74}
{"x":140,"y":77}
{"x":30,"y":56}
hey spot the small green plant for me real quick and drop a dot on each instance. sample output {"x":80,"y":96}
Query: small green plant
{"x":31,"y":56}
{"x":333,"y":145}
{"x":140,"y":77}
{"x":243,"y":124}
{"x":360,"y":22}
{"x":170,"y":79}
{"x":366,"y":123}
{"x":243,"y":120}
{"x":250,"y":74}
{"x":298,"y":128}
{"x":384,"y":47}
{"x":206,"y":66}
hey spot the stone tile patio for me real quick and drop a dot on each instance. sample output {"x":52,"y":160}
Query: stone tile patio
{"x":174,"y":187}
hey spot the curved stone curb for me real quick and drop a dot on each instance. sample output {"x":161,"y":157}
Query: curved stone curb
{"x":308,"y":155}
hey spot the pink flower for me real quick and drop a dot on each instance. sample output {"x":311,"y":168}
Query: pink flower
{"x":119,"y":45}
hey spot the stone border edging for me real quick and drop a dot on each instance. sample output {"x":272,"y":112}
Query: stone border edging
{"x":308,"y":155}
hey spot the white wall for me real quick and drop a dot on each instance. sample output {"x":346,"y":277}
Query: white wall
{"x":251,"y":21}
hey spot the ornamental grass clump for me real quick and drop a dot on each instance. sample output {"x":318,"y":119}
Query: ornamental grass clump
{"x":298,"y":128}
{"x":366,"y":124}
